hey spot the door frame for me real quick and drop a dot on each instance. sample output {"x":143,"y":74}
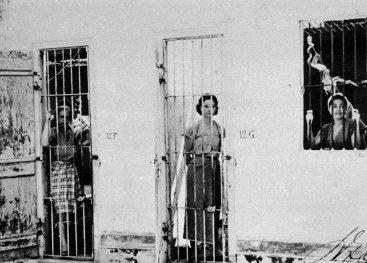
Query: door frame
{"x":162,"y":215}
{"x":58,"y":44}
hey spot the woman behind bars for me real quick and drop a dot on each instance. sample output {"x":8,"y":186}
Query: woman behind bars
{"x":342,"y":133}
{"x":202,"y":147}
{"x":64,"y":181}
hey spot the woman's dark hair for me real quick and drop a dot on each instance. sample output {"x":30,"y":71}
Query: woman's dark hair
{"x":337,"y":96}
{"x":204,"y":98}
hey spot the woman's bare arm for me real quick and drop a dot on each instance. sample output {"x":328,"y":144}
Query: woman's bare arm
{"x":45,"y":137}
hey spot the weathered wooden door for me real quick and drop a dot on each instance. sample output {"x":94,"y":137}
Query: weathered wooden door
{"x":18,"y":219}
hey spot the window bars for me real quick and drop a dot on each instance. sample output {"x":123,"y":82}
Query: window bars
{"x":335,"y":73}
{"x":195,"y":146}
{"x":67,"y":162}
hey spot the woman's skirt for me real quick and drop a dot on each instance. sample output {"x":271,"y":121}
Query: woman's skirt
{"x":65,"y":186}
{"x":203,"y":190}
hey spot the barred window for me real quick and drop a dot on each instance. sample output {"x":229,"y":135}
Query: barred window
{"x":335,"y":84}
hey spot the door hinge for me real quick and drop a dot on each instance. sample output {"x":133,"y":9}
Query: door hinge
{"x":165,"y":231}
{"x":161,"y":70}
{"x":36,"y":80}
{"x":164,"y":159}
{"x":302,"y":90}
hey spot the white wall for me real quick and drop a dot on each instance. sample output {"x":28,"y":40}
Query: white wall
{"x":281,"y":192}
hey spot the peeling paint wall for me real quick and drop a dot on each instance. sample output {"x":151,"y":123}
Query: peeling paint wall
{"x":4,"y":4}
{"x":251,"y":258}
{"x":15,"y":60}
{"x":127,"y":256}
{"x":118,"y":247}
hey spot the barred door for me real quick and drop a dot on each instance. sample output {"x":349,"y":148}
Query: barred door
{"x":66,"y":137}
{"x":195,"y":149}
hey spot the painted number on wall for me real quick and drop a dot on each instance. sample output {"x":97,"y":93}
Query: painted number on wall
{"x":111,"y":135}
{"x":247,"y":134}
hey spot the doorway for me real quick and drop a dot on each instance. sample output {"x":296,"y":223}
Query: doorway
{"x":195,"y":149}
{"x":67,"y":164}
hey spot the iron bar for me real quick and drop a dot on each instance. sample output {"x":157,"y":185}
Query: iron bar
{"x":80,"y":110}
{"x":52,"y":228}
{"x":66,"y":95}
{"x":193,"y":37}
{"x":73,"y":147}
{"x":49,"y":152}
{"x":223,"y":172}
{"x":343,"y":69}
{"x":60,"y":233}
{"x":76,"y":230}
{"x":345,"y":24}
{"x":56,"y":114}
{"x":343,"y":52}
{"x":362,"y":83}
{"x":177,"y":230}
{"x":194,"y":95}
{"x":68,"y":228}
{"x":321,"y":75}
{"x":89,"y":117}
{"x":79,"y":83}
{"x":194,"y":159}
{"x":166,"y":138}
{"x":354,"y":63}
{"x":310,"y":28}
{"x":84,"y":232}
{"x":332,"y":73}
{"x":202,"y":143}
{"x":183,"y":165}
{"x":191,"y":208}
{"x":211,"y":147}
{"x":177,"y":152}
{"x":337,"y":25}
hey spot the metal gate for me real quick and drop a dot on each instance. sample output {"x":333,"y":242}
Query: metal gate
{"x":66,"y":138}
{"x":18,"y":219}
{"x":195,"y":149}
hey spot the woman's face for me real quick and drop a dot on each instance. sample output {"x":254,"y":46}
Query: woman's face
{"x":338,"y":109}
{"x":208,"y":109}
{"x":63,"y":117}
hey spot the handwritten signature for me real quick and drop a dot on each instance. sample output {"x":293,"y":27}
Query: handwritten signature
{"x":345,"y":250}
